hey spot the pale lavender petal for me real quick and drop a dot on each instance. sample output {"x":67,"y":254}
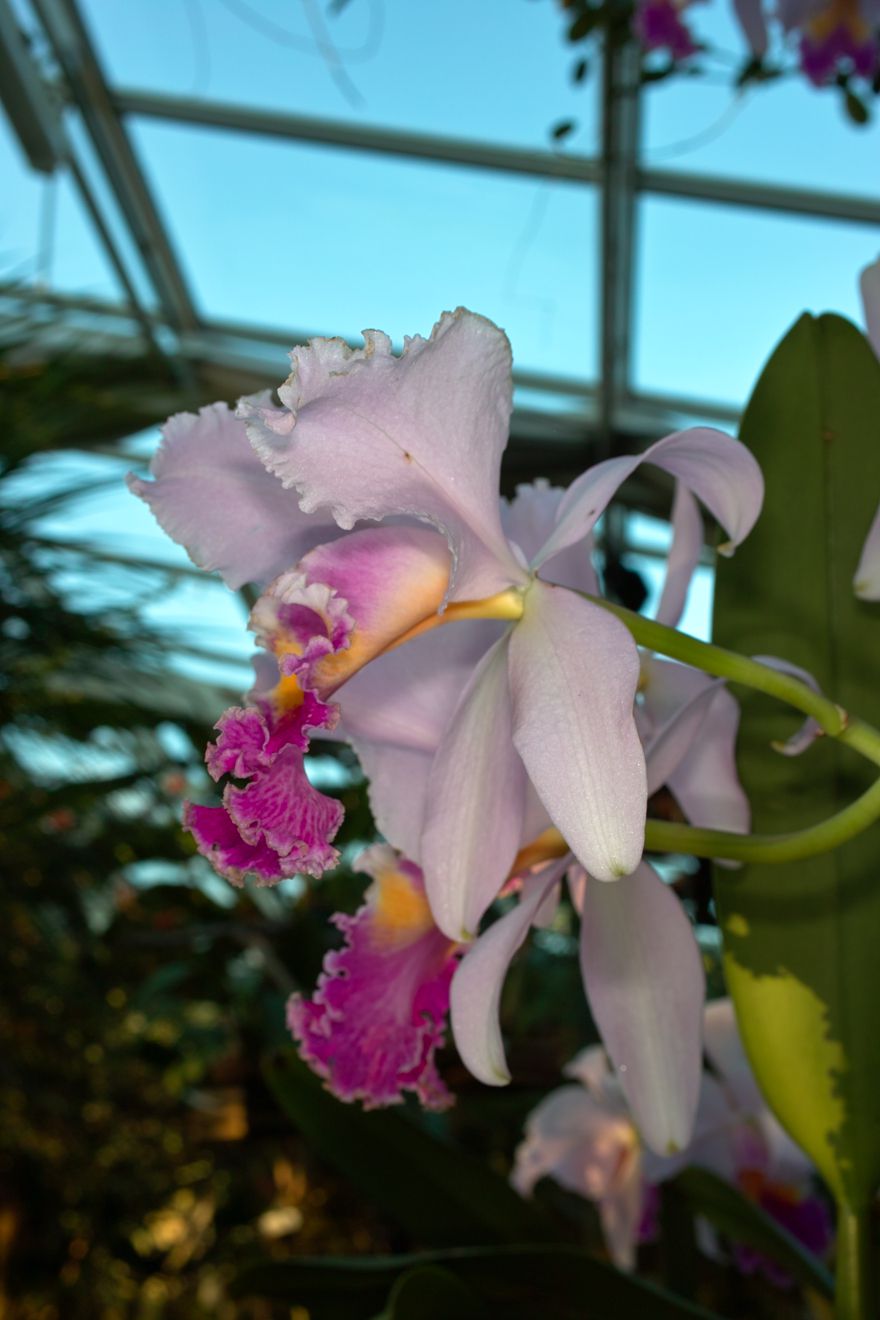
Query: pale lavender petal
{"x":379,"y":1011}
{"x":475,"y":994}
{"x":713,"y":466}
{"x":705,"y":783}
{"x":684,"y":555}
{"x":810,"y":730}
{"x":866,"y":583}
{"x":705,"y":780}
{"x":369,"y":435}
{"x":528,"y":521}
{"x":213,"y":496}
{"x":476,"y":795}
{"x":725,"y":1051}
{"x":346,"y":602}
{"x":869,"y":287}
{"x":557,"y":1131}
{"x":750,"y":14}
{"x":574,"y":670}
{"x":644,"y":978}
{"x":672,"y":742}
{"x":396,"y":710}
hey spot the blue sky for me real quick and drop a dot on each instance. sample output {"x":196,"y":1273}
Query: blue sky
{"x":328,"y":241}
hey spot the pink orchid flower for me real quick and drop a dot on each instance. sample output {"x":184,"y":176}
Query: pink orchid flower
{"x":635,"y":935}
{"x":585,"y":1137}
{"x":835,"y":36}
{"x":379,"y":1010}
{"x":548,"y":708}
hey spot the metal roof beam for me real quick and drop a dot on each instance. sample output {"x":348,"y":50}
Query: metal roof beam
{"x":760,"y":196}
{"x":356,"y":137}
{"x":90,"y":94}
{"x":482,"y":155}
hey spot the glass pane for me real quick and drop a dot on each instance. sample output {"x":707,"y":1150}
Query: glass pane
{"x":329,"y":242}
{"x":718,"y":286}
{"x":45,"y":235}
{"x":496,"y":71}
{"x":785,"y":132}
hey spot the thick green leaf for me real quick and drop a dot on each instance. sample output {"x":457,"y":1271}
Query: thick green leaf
{"x":518,"y":1282}
{"x":802,"y":941}
{"x":745,"y":1222}
{"x":437,"y":1192}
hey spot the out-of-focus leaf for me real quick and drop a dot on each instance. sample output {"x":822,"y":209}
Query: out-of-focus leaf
{"x":439,"y":1193}
{"x":801,"y":940}
{"x":518,"y":1282}
{"x":432,"y":1293}
{"x":744,"y":1221}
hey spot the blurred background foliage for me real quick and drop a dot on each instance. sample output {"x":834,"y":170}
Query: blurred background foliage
{"x":144,"y":1155}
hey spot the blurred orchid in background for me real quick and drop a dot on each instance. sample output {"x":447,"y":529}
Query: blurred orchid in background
{"x":584,"y":1136}
{"x":834,"y":36}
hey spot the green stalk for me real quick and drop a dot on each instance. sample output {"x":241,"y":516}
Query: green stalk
{"x":665,"y":836}
{"x":727,"y":664}
{"x":852,"y":1298}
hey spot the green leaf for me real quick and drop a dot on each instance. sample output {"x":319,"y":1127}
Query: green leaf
{"x":437,"y":1192}
{"x":802,"y":940}
{"x":518,"y":1282}
{"x":432,"y":1293}
{"x":745,"y":1222}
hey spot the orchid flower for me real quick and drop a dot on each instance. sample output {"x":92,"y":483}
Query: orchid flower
{"x":867,"y":578}
{"x":548,"y":708}
{"x":584,"y":1136}
{"x":379,"y":1011}
{"x":635,"y":935}
{"x":659,"y":25}
{"x":835,"y":35}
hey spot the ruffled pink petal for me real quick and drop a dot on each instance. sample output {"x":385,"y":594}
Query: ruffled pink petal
{"x":574,"y":670}
{"x":278,"y":825}
{"x":346,"y":602}
{"x":866,"y":583}
{"x":713,"y":466}
{"x":684,"y":555}
{"x":475,"y":996}
{"x":869,"y":287}
{"x":644,"y":978}
{"x":379,"y":1011}
{"x":367,"y":434}
{"x":476,"y":797}
{"x":218,"y":839}
{"x":213,"y":496}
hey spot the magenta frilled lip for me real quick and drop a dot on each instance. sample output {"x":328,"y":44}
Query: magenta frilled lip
{"x":379,"y":1011}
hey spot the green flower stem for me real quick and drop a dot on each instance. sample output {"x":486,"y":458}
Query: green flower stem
{"x":727,"y":664}
{"x":852,"y":1299}
{"x":664,"y":836}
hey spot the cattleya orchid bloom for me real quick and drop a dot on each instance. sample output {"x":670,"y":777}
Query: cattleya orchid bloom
{"x":836,"y":36}
{"x":584,"y":1136}
{"x":379,"y":1011}
{"x":548,"y":708}
{"x":659,"y":25}
{"x":635,"y":935}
